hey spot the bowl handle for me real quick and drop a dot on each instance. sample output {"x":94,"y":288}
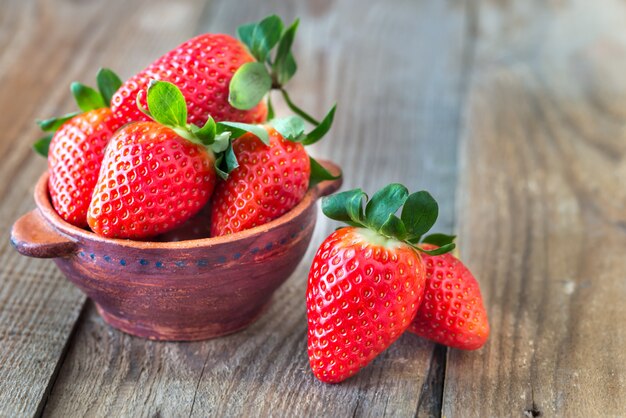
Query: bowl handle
{"x":327,"y":187}
{"x":34,"y":237}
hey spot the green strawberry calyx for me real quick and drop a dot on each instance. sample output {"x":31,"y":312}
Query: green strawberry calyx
{"x":167,"y":106}
{"x":270,"y":42}
{"x":419,"y":212}
{"x":87,"y":99}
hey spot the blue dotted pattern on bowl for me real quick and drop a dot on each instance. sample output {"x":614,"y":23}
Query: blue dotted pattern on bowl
{"x":200,"y":263}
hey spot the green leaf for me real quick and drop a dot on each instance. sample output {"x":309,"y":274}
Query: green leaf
{"x":342,"y":206}
{"x":355,"y":209}
{"x":394,"y":227}
{"x":248,"y":86}
{"x":221,"y":142}
{"x":383,"y":203}
{"x":319,"y":173}
{"x":441,"y":250}
{"x":42,"y":145}
{"x":86,"y":97}
{"x":261,"y":37}
{"x":220,"y":169}
{"x":290,"y":128}
{"x":270,"y":107}
{"x":226,"y":162}
{"x":108,"y":84}
{"x":286,"y":41}
{"x":438,"y":239}
{"x":419,"y":214}
{"x":286,"y":70}
{"x":284,"y":64}
{"x":245,"y":33}
{"x":237,"y":129}
{"x":230,"y":158}
{"x":167,"y":104}
{"x":207,"y":132}
{"x":321,"y":129}
{"x":52,"y":124}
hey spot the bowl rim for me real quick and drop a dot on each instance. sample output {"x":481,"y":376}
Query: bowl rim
{"x":42,"y":199}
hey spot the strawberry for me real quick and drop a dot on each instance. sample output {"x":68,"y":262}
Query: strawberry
{"x":75,"y":150}
{"x":157,"y":175}
{"x":152,"y":181}
{"x":367,"y":280}
{"x":452,"y":313}
{"x":202,"y":68}
{"x":221,"y":76}
{"x":269,"y":179}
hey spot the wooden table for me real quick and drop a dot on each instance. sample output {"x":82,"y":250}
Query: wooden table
{"x":512,"y":113}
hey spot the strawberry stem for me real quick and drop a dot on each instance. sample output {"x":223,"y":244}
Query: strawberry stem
{"x":297,"y":110}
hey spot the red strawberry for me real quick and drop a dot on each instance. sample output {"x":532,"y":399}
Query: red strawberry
{"x":74,"y":159}
{"x":367,"y":281}
{"x":152,"y":180}
{"x":202,"y":68}
{"x":75,"y":150}
{"x":452,"y":313}
{"x":157,"y":175}
{"x":269,"y":181}
{"x":363,"y":291}
{"x":270,"y":178}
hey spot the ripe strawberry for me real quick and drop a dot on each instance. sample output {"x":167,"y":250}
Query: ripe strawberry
{"x":74,"y":159}
{"x":152,"y":181}
{"x":452,"y":313}
{"x":157,"y":175}
{"x":367,"y":280}
{"x":75,"y":150}
{"x":269,"y":180}
{"x":202,"y":68}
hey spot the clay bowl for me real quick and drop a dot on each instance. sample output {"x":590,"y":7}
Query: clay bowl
{"x":181,"y":291}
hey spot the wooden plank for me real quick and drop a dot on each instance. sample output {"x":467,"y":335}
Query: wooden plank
{"x":542,"y":213}
{"x":43,"y":46}
{"x":397,"y":74}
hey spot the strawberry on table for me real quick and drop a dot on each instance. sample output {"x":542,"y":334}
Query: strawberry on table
{"x":453,"y":312}
{"x":268,"y":179}
{"x":156,"y":175}
{"x":367,"y":280}
{"x":75,"y":146}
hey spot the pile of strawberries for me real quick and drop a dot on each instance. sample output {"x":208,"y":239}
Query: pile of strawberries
{"x":193,"y":138}
{"x":144,"y":156}
{"x":381,"y":276}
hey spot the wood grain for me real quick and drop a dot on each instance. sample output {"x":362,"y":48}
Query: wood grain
{"x":44,"y":45}
{"x":541,"y":206}
{"x":542,"y":212}
{"x":393,"y":111}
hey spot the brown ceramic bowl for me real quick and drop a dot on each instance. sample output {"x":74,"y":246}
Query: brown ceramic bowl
{"x":186,"y":290}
